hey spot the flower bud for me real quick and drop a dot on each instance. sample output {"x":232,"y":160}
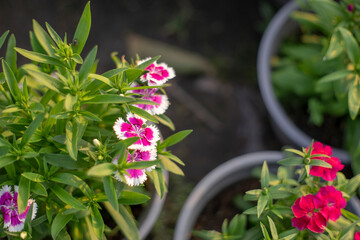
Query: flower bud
{"x":23,"y":235}
{"x":350,"y":7}
{"x":96,"y":142}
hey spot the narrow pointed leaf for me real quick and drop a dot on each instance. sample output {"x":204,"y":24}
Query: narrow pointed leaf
{"x":102,"y":170}
{"x":108,"y":99}
{"x":31,"y":129}
{"x":265,"y":176}
{"x":57,"y":39}
{"x":47,"y":80}
{"x":174,"y":139}
{"x":351,"y":45}
{"x":75,"y":181}
{"x":110,"y":192}
{"x":41,"y":58}
{"x":338,"y":75}
{"x":43,"y":38}
{"x":10,"y":56}
{"x":82,"y":30}
{"x":33,"y":176}
{"x":3,"y":37}
{"x":71,"y":139}
{"x":97,"y":222}
{"x":64,"y":196}
{"x":142,"y":113}
{"x":11,"y":80}
{"x":23,"y":194}
{"x":59,"y":224}
{"x":87,"y":65}
{"x":354,"y":100}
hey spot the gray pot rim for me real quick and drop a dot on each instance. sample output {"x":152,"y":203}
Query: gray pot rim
{"x":227,"y":173}
{"x":269,"y":43}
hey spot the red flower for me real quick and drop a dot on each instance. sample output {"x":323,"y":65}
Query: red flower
{"x":330,"y":201}
{"x":357,"y":236}
{"x":307,"y":215}
{"x":328,"y":174}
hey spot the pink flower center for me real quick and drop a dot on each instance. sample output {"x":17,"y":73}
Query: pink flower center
{"x":310,"y":214}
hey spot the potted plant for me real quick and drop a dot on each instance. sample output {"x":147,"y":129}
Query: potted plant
{"x":314,"y":75}
{"x":76,"y":147}
{"x":285,"y":178}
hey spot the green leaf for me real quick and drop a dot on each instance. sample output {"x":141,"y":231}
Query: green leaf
{"x":31,"y":129}
{"x":208,"y":235}
{"x":90,"y":116}
{"x":113,"y":72}
{"x":338,"y":75}
{"x":172,"y":157}
{"x":336,"y":46}
{"x":41,"y":58}
{"x":23,"y":194}
{"x":57,"y":39}
{"x":159,"y":182}
{"x":289,"y":234}
{"x":87,"y":65}
{"x":265,"y":176}
{"x":347,"y":233}
{"x":3,"y":37}
{"x":132,"y":198}
{"x":47,"y":80}
{"x":11,"y":81}
{"x":170,"y":166}
{"x":101,"y":78}
{"x":353,"y":184}
{"x":351,"y":45}
{"x":273,"y":230}
{"x":354,"y":100}
{"x":163,"y":119}
{"x":132,"y":74}
{"x":320,"y":163}
{"x":142,"y":113}
{"x":59,"y":224}
{"x":292,"y":161}
{"x":82,"y":30}
{"x":70,"y":101}
{"x":349,"y":215}
{"x":64,"y":161}
{"x":64,"y":196}
{"x":33,"y":177}
{"x":264,"y":231}
{"x":175,"y":138}
{"x":43,"y":38}
{"x":102,"y":170}
{"x":108,"y":99}
{"x":72,"y":139}
{"x":140,"y":164}
{"x":97,"y":222}
{"x":6,"y":160}
{"x":75,"y":181}
{"x":262,"y":203}
{"x":124,"y":221}
{"x":38,"y":189}
{"x":10,"y":56}
{"x":110,"y":192}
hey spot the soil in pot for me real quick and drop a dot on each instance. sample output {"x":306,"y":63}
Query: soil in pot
{"x":222,"y":206}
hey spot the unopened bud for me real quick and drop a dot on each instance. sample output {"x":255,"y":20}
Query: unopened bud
{"x":96,"y":142}
{"x":350,"y":7}
{"x":23,"y":235}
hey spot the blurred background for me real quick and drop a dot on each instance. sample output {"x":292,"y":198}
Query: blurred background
{"x":212,"y":45}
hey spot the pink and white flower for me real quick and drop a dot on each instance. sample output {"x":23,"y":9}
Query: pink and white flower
{"x":158,"y":73}
{"x":13,"y":220}
{"x":135,"y":127}
{"x":328,"y":174}
{"x":150,"y":94}
{"x":135,"y":177}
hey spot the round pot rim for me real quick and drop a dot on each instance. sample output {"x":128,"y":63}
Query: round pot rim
{"x":227,"y":173}
{"x":268,"y":45}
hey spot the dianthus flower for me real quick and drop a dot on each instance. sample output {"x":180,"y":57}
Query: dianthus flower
{"x":13,"y":220}
{"x":150,"y":94}
{"x":135,"y":177}
{"x":158,"y":73}
{"x":135,"y":127}
{"x":330,"y":201}
{"x":307,"y":215}
{"x":328,"y":174}
{"x":357,"y":236}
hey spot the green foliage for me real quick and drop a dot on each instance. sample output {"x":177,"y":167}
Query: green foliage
{"x":57,"y":142}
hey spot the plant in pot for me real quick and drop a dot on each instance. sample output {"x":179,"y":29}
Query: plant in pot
{"x":314,"y":75}
{"x":304,"y":197}
{"x":76,"y":147}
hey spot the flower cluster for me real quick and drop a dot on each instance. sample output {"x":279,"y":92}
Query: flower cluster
{"x":304,"y":199}
{"x":144,"y":149}
{"x":313,"y":211}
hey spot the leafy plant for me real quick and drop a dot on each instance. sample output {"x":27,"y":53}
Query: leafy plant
{"x":75,"y":143}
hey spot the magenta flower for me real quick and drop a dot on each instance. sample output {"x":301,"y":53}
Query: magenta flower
{"x":135,"y":177}
{"x":13,"y":221}
{"x":150,"y":94}
{"x":328,"y":174}
{"x":330,"y":201}
{"x":135,"y":127}
{"x":357,"y":236}
{"x":157,"y":74}
{"x":350,"y":7}
{"x":307,"y":215}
